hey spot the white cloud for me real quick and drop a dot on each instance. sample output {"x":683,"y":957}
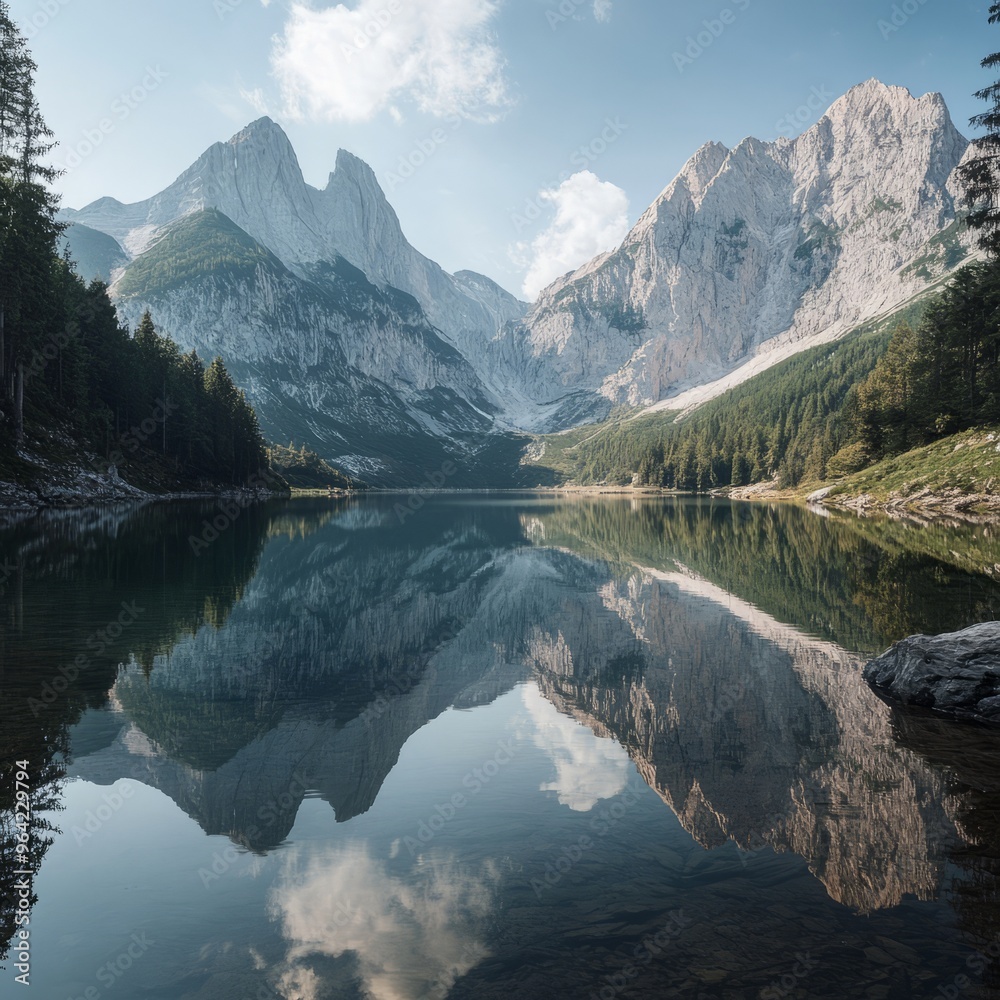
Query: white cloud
{"x":411,"y":937}
{"x":256,"y":99}
{"x":602,"y":10}
{"x":591,"y":218}
{"x":348,"y":63}
{"x":588,"y":769}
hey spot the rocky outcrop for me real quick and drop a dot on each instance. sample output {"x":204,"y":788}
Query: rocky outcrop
{"x":957,"y":674}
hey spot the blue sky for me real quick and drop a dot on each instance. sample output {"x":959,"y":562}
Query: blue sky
{"x":515,"y":138}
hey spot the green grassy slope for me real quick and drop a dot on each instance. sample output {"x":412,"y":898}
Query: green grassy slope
{"x":961,"y":471}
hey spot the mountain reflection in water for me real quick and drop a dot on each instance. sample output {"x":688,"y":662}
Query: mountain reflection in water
{"x":430,"y":744}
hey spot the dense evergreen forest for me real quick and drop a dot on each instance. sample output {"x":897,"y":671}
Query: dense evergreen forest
{"x":827,"y":412}
{"x":72,"y":376}
{"x":940,"y":377}
{"x":791,"y":422}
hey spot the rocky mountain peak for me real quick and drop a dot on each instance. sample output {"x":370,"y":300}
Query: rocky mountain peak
{"x":702,"y":168}
{"x":752,"y":250}
{"x":261,"y":128}
{"x":868,"y":101}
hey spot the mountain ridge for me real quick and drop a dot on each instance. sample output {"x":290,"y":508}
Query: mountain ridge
{"x":748,"y":255}
{"x":686,"y":269}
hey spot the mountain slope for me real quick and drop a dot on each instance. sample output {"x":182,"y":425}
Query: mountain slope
{"x":95,"y":254}
{"x":352,"y":371}
{"x":765,"y":247}
{"x":255,"y":180}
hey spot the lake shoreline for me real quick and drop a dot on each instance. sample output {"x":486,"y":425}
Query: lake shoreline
{"x":88,"y":489}
{"x":92,"y":490}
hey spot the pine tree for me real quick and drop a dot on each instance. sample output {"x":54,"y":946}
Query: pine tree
{"x":980,"y":175}
{"x":28,"y":227}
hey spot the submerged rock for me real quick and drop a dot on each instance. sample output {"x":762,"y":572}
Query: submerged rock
{"x":957,"y":674}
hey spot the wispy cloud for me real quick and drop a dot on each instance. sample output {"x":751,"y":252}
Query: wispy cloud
{"x":349,"y":63}
{"x":591,"y":218}
{"x":602,"y":10}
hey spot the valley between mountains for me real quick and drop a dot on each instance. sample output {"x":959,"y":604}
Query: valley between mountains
{"x":349,"y":341}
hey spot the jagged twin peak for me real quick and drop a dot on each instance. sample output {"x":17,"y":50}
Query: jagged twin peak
{"x":255,"y":180}
{"x":754,"y":253}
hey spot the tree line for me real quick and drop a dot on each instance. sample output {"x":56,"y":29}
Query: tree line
{"x":793,"y":423}
{"x":830,"y":411}
{"x":66,"y":360}
{"x":941,"y":376}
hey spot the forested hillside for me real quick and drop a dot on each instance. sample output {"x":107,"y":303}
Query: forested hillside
{"x":931,"y":372}
{"x":73,"y":379}
{"x":791,"y":422}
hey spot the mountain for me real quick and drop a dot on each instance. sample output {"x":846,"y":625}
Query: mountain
{"x":755,"y":253}
{"x":308,"y":296}
{"x":354,"y":371}
{"x":349,"y":340}
{"x":95,"y":254}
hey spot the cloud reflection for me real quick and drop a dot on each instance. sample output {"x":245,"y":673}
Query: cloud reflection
{"x":588,"y":768}
{"x":411,"y":935}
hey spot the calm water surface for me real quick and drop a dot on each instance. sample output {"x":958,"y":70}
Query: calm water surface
{"x":503,"y":747}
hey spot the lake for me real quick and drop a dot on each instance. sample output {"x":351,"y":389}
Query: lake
{"x":491,"y":747}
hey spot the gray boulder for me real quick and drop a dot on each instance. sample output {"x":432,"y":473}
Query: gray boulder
{"x":956,"y":674}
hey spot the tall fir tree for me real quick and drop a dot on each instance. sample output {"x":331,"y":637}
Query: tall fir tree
{"x":980,"y":175}
{"x":28,"y":228}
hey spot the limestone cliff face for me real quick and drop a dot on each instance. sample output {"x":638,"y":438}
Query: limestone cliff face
{"x":343,"y":335}
{"x":767,"y":247}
